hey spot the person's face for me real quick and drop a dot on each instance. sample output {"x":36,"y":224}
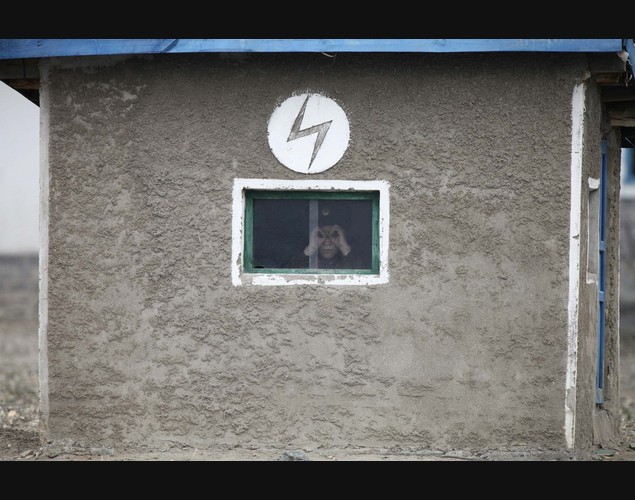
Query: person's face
{"x":328,"y":241}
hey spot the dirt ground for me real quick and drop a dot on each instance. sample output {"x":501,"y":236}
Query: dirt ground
{"x":19,"y":437}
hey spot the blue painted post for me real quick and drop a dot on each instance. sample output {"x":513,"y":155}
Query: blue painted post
{"x":599,"y":393}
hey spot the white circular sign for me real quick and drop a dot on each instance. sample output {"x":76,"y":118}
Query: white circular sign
{"x":308,"y":133}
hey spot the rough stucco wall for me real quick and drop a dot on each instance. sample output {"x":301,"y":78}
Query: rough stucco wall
{"x":598,"y":128}
{"x":612,"y":333}
{"x":588,"y":312}
{"x":465,"y":347}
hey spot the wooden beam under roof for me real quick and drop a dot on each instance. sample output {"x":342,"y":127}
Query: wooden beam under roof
{"x":22,"y":75}
{"x":622,"y":114}
{"x":19,"y":68}
{"x":622,"y":93}
{"x":628,"y":137}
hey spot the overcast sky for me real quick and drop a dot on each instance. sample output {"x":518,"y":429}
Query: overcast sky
{"x":19,"y":173}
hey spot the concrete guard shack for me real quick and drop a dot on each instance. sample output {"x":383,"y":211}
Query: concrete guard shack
{"x":475,"y":180}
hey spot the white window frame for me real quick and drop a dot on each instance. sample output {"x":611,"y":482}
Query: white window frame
{"x":240,"y":277}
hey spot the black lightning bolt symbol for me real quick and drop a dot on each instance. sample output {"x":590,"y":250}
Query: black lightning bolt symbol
{"x":320,"y":129}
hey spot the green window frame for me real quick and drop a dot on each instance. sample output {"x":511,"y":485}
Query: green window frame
{"x":251,"y":201}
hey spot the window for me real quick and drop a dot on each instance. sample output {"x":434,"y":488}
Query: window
{"x":296,"y":232}
{"x":311,"y":232}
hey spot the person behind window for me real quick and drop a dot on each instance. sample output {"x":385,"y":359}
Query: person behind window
{"x":328,"y":248}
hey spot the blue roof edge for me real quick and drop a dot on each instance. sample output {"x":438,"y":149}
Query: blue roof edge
{"x":629,"y":47}
{"x":24,"y":48}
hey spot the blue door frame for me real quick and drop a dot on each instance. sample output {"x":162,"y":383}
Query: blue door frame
{"x":599,"y":392}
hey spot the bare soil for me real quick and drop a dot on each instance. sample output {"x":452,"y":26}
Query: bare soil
{"x":20,"y":438}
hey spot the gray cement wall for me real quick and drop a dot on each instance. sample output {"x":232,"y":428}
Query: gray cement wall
{"x":465,"y":347}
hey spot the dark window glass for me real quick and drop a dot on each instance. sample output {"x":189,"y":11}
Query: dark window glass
{"x":308,"y":232}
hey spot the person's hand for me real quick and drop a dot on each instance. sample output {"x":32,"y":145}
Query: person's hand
{"x":336,"y":234}
{"x":314,"y":242}
{"x":338,"y":237}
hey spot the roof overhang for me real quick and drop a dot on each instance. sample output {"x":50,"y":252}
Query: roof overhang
{"x":611,"y":59}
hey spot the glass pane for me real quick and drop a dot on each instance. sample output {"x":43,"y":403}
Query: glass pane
{"x":324,"y":234}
